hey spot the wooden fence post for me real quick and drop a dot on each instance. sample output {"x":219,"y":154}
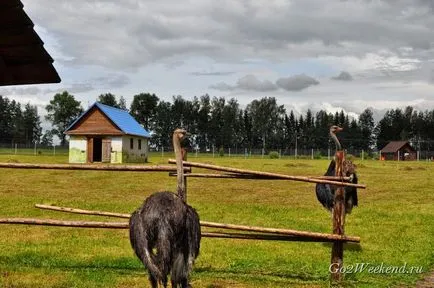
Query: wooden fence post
{"x":184,"y":158}
{"x":337,"y":256}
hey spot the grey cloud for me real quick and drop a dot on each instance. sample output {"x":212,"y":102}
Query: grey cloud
{"x":222,"y":87}
{"x":248,"y":83}
{"x":32,"y":90}
{"x":79,"y":88}
{"x":216,"y":73}
{"x":115,"y":34}
{"x":343,"y":76}
{"x":296,"y":82}
{"x":112,"y":80}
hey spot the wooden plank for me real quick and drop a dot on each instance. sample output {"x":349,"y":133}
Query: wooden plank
{"x":248,"y":176}
{"x":95,"y":167}
{"x":94,"y":122}
{"x":31,"y":73}
{"x":89,"y":150}
{"x":125,"y":225}
{"x":29,"y":53}
{"x":337,"y":255}
{"x":106,"y":150}
{"x":10,"y":3}
{"x":14,"y":17}
{"x":251,"y":236}
{"x":82,"y":211}
{"x":19,"y":36}
{"x":277,"y":231}
{"x":260,"y":173}
{"x":76,"y":224}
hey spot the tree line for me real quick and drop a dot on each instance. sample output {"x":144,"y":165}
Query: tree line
{"x":19,"y":124}
{"x":221,"y":123}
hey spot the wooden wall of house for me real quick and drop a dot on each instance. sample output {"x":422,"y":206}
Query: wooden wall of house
{"x":94,"y":123}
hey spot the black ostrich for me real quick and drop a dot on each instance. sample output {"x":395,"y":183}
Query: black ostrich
{"x":165,"y":232}
{"x":325,"y":193}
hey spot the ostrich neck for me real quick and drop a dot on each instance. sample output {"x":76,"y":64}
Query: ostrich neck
{"x":338,"y":144}
{"x":180,"y":189}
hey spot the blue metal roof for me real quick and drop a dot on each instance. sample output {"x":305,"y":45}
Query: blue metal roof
{"x":120,"y":118}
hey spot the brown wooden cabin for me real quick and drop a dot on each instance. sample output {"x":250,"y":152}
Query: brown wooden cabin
{"x":23,"y":59}
{"x":107,"y":134}
{"x":398,"y":150}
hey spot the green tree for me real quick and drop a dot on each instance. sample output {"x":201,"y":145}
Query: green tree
{"x":108,"y":99}
{"x":122,"y":104}
{"x":267,"y":120}
{"x":143,"y":109}
{"x":203,"y":119}
{"x":164,"y":127}
{"x":17,"y":127}
{"x":367,"y":125}
{"x":47,"y":138}
{"x":62,"y":110}
{"x":32,"y":124}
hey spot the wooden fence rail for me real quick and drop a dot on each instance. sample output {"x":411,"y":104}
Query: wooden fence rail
{"x":277,"y":231}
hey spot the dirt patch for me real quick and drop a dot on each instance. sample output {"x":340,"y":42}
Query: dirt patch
{"x":427,"y":282}
{"x":295,"y":165}
{"x":408,"y":168}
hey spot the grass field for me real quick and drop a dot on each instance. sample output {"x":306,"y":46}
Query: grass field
{"x":395,"y":221}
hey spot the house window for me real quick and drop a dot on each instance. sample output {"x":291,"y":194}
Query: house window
{"x":131,"y":143}
{"x":140,"y":143}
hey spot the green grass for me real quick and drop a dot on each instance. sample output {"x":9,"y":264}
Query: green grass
{"x":395,"y":221}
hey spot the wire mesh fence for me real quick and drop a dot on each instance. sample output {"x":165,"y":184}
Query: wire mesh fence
{"x":31,"y":149}
{"x":290,"y":153}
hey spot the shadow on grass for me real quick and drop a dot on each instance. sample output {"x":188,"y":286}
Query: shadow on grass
{"x":347,"y":246}
{"x":221,"y":273}
{"x":132,"y":266}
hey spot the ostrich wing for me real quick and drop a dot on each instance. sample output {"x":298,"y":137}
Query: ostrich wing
{"x":324,"y":193}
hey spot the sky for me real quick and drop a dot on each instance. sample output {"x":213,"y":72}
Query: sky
{"x":309,"y":54}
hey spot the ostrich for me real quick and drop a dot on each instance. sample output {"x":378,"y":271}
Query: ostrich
{"x":325,"y":193}
{"x":165,"y":232}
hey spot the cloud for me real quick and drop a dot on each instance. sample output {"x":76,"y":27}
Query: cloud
{"x":115,"y":34}
{"x":30,"y":90}
{"x":216,"y":73}
{"x":251,"y":83}
{"x":343,"y":76}
{"x":111,"y":80}
{"x":248,"y":83}
{"x":222,"y":87}
{"x":296,"y":82}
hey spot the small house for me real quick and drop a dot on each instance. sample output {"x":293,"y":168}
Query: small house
{"x":107,"y":134}
{"x":398,"y":150}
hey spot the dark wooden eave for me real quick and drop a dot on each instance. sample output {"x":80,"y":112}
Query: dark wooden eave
{"x":23,"y":59}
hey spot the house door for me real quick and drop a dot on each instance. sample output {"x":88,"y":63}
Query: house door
{"x":89,"y":150}
{"x":106,"y":150}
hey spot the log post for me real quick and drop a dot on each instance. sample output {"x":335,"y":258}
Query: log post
{"x":338,"y":212}
{"x":184,"y":158}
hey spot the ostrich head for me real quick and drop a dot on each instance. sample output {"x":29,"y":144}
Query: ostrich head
{"x":179,"y":134}
{"x":333,"y":130}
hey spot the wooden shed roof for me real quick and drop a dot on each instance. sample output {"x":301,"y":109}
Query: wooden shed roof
{"x":120,"y":118}
{"x":394,"y":146}
{"x":23,"y":59}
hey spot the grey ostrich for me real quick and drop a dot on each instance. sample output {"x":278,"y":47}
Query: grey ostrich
{"x":165,"y":231}
{"x":325,"y":193}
